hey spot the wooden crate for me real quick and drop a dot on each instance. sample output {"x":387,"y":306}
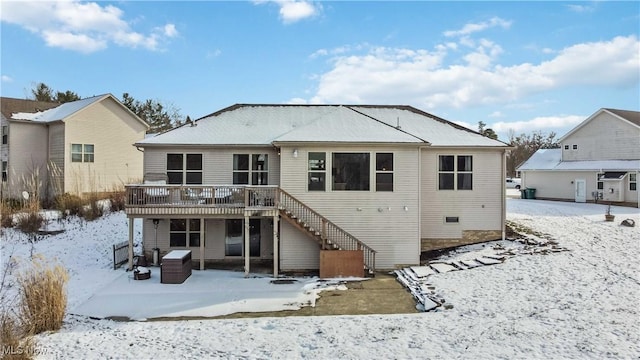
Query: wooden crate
{"x":175,"y":267}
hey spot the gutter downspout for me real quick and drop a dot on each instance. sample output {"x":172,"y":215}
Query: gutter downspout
{"x":504,"y":194}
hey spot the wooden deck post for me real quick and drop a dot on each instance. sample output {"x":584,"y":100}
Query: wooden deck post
{"x":202,"y":237}
{"x":130,"y":267}
{"x":246,"y":252}
{"x":276,"y":241}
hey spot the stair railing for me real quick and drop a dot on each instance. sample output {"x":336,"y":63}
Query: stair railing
{"x":331,"y":234}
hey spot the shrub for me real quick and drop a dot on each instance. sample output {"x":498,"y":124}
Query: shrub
{"x":68,"y":204}
{"x":116,"y":199}
{"x":14,"y":342}
{"x":30,"y":222}
{"x":6,"y":215}
{"x":43,"y":299}
{"x":92,"y":211}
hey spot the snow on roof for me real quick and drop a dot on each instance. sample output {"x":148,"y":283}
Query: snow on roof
{"x":551,"y":159}
{"x":265,"y":124}
{"x":59,"y":112}
{"x":438,"y":132}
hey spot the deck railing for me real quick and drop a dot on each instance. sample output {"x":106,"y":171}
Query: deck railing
{"x":237,"y":196}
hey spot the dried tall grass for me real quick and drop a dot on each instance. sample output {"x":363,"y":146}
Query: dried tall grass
{"x":43,"y":298}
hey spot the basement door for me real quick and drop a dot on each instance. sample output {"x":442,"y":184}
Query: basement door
{"x":580,"y":190}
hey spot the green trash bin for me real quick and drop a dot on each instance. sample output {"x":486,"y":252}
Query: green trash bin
{"x":523,"y":194}
{"x":530,"y":193}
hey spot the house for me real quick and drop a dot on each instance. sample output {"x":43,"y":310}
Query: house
{"x":290,"y":184}
{"x":75,"y":147}
{"x":598,"y":161}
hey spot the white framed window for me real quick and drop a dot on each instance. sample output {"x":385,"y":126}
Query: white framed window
{"x":574,"y":147}
{"x":633,"y":181}
{"x":184,"y":169}
{"x":455,"y":172}
{"x":82,"y":153}
{"x":184,"y":233}
{"x":566,"y":147}
{"x":4,"y":171}
{"x":384,"y":171}
{"x":317,"y":171}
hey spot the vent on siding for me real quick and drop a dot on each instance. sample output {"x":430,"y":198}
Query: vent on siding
{"x":451,"y":219}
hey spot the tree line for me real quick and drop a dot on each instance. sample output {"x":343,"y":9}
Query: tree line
{"x":524,"y":145}
{"x":160,"y":117}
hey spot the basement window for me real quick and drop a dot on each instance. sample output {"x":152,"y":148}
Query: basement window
{"x":451,"y":219}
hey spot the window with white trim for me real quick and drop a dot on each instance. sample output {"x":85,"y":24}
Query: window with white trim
{"x":566,"y":147}
{"x":575,"y":147}
{"x":184,"y":232}
{"x":5,"y":134}
{"x":455,"y":172}
{"x":184,"y":169}
{"x":384,"y":171}
{"x":317,"y":171}
{"x":633,"y":181}
{"x":350,"y":171}
{"x":82,"y":153}
{"x":4,"y":171}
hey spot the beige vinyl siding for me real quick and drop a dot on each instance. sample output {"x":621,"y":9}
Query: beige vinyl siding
{"x":560,"y":184}
{"x":603,"y":138}
{"x":378,"y":219}
{"x":477,"y":209}
{"x":28,"y":156}
{"x":217,"y":162}
{"x":56,"y":156}
{"x":112,"y":130}
{"x":297,"y":250}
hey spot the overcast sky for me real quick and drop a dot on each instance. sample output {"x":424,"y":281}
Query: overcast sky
{"x":520,"y":66}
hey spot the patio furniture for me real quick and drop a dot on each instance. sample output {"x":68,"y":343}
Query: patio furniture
{"x":175,"y":267}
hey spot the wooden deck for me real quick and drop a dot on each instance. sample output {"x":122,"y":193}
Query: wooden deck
{"x":200,"y":200}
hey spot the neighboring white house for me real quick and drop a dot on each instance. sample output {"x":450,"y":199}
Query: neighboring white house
{"x":598,"y":160}
{"x":281,"y":182}
{"x":75,"y":147}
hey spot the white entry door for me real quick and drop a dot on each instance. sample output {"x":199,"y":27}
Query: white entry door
{"x":581,"y":190}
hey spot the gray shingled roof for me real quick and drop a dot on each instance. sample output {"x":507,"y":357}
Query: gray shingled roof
{"x":59,"y":112}
{"x":632,"y":116}
{"x":246,"y":124}
{"x":10,"y":106}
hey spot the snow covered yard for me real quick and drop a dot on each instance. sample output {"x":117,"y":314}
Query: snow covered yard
{"x":581,"y":303}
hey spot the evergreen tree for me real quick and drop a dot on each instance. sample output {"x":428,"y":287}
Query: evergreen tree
{"x":159,"y":117}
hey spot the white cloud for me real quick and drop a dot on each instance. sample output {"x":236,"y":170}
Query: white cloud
{"x":83,"y":27}
{"x":211,"y":54}
{"x":496,"y":114}
{"x":473,"y":28}
{"x":6,"y":78}
{"x":539,"y":123}
{"x":580,"y":8}
{"x":295,"y":10}
{"x":420,"y":77}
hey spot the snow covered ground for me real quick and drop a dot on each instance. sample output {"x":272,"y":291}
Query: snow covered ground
{"x":581,"y":303}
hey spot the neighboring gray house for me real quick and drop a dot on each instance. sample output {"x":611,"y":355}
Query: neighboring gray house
{"x":74,"y":147}
{"x":288,"y":183}
{"x":598,"y":160}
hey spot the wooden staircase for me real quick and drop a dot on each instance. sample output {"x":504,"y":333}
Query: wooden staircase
{"x":329,"y":235}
